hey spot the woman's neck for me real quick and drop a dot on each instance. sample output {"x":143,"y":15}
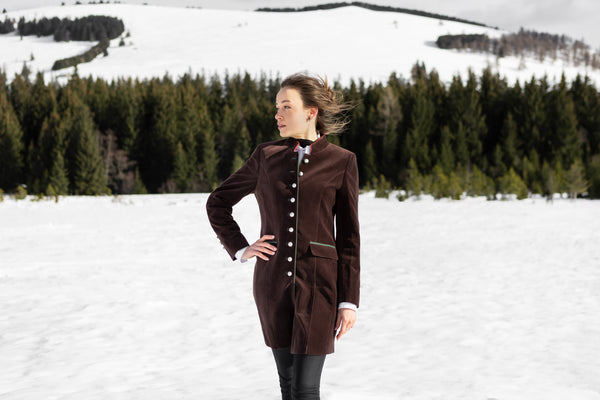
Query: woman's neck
{"x":309,"y":135}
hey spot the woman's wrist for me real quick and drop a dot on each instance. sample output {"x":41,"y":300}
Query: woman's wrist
{"x":345,"y":304}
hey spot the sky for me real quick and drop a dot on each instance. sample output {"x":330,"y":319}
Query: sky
{"x":575,"y":18}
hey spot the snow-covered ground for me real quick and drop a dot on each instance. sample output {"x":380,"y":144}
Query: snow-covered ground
{"x":133,"y":298}
{"x":343,"y":43}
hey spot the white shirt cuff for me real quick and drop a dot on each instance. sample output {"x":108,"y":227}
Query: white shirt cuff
{"x":239,"y":254}
{"x":345,"y":304}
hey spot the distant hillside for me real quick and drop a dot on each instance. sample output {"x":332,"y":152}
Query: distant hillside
{"x":539,"y":45}
{"x":374,"y":7}
{"x":176,"y":41}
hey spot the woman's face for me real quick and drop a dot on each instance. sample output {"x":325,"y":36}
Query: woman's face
{"x":292,"y":117}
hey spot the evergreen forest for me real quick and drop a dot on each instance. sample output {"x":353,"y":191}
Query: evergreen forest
{"x":477,"y":136}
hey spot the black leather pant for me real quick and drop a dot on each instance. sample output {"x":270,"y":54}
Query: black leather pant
{"x":299,"y":374}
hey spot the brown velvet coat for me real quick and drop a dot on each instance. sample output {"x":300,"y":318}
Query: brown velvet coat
{"x":312,"y":210}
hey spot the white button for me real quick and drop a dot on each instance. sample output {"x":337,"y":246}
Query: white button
{"x":292,"y":200}
{"x":292,"y":214}
{"x":290,"y":229}
{"x":289,"y":273}
{"x":306,"y":161}
{"x":290,"y":259}
{"x":301,"y":173}
{"x":294,"y":185}
{"x":290,"y":244}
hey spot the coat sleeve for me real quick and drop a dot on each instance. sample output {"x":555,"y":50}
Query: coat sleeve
{"x":219,"y":205}
{"x":348,"y":235}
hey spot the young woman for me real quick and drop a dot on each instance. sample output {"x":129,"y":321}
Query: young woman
{"x":307,"y":272}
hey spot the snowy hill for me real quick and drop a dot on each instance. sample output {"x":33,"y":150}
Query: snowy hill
{"x":343,"y":43}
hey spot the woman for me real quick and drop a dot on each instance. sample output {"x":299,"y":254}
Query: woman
{"x":306,"y":277}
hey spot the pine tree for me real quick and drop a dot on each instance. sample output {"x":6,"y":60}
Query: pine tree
{"x":84,"y":161}
{"x":42,"y":103}
{"x":156,"y":141}
{"x":498,"y":167}
{"x":587,"y":109}
{"x":562,"y":135}
{"x":98,"y":100}
{"x":593,"y":174}
{"x":439,"y":183}
{"x":511,"y":183}
{"x":532,"y":116}
{"x":122,"y":112}
{"x":227,"y":137}
{"x":208,"y":153}
{"x":58,"y":179}
{"x":389,"y":118}
{"x":481,"y":184}
{"x":414,"y":180}
{"x":509,"y":141}
{"x":492,"y":94}
{"x":181,"y":175}
{"x":460,"y":146}
{"x":138,"y":186}
{"x":575,"y":180}
{"x":446,"y":153}
{"x":464,"y":111}
{"x":11,"y":146}
{"x":421,"y":128}
{"x":454,"y":189}
{"x":368,"y":164}
{"x":242,"y":149}
{"x":188,"y":132}
{"x":52,"y":147}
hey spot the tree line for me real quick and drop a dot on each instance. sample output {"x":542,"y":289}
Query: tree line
{"x":90,"y":28}
{"x":526,"y":43}
{"x":373,"y":7}
{"x":478,"y":136}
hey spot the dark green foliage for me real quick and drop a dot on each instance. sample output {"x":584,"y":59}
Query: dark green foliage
{"x":511,"y":183}
{"x":11,"y":146}
{"x":473,"y":42}
{"x":7,"y":26}
{"x":91,"y":28}
{"x":89,"y":55}
{"x":575,"y":181}
{"x":541,"y":45}
{"x":382,"y":187}
{"x":414,"y":182}
{"x":479,"y":184}
{"x":84,"y":162}
{"x":160,"y":135}
{"x":368,"y":164}
{"x":374,"y":7}
{"x":593,"y":176}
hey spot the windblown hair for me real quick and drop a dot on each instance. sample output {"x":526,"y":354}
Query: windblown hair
{"x":316,"y":92}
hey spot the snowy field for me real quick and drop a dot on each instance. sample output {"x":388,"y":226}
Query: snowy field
{"x":344,"y":43}
{"x":133,"y":298}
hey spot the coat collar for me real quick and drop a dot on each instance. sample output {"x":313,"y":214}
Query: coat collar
{"x":316,"y":146}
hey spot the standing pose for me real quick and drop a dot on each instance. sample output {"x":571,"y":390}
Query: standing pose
{"x":307,"y":272}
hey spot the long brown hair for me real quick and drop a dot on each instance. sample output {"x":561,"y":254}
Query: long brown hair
{"x":316,"y":92}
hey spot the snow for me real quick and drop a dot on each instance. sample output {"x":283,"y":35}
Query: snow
{"x":132,"y":297}
{"x":345,"y":43}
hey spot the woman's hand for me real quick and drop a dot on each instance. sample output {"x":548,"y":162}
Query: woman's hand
{"x":345,"y":321}
{"x":260,"y":248}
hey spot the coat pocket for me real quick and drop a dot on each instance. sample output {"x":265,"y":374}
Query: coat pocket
{"x":323,"y":250}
